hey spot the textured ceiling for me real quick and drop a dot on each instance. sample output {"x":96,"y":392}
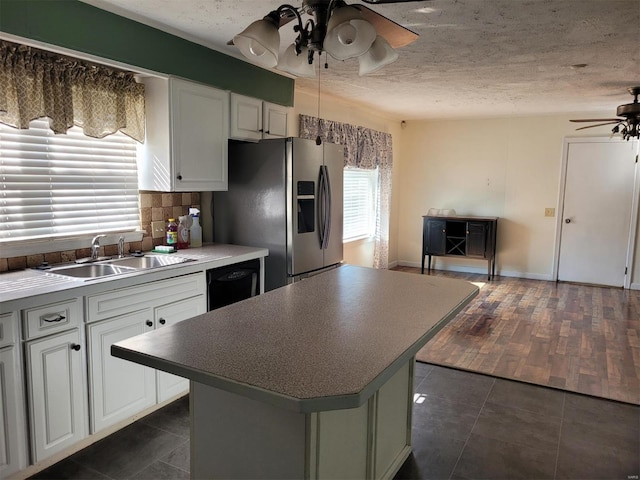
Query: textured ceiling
{"x":473,"y":58}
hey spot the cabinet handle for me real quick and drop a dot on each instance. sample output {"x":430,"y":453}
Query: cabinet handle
{"x":162,"y":321}
{"x":75,"y":346}
{"x":149,"y":323}
{"x":179,"y":177}
{"x":53,"y":317}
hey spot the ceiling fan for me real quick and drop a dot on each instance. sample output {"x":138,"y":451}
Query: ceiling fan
{"x":340,"y":30}
{"x":628,"y":122}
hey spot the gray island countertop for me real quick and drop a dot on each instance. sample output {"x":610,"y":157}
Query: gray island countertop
{"x":325,"y":343}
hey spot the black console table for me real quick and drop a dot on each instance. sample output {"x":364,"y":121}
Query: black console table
{"x":473,"y":237}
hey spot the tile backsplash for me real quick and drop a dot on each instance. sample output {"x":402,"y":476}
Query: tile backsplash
{"x":154,"y":206}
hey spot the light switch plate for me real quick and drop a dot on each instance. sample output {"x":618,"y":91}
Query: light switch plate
{"x":549,"y":212}
{"x":157,"y":229}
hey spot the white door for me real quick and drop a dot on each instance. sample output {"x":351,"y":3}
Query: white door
{"x":57,"y":408}
{"x":119,"y":388}
{"x":596,"y":217}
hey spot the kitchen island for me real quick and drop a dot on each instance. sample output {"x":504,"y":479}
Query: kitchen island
{"x":312,"y":380}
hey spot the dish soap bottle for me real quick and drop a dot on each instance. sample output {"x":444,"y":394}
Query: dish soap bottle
{"x":196,"y":230}
{"x":184,"y":223}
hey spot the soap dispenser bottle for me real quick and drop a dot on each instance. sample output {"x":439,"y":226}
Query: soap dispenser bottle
{"x":195,"y":232}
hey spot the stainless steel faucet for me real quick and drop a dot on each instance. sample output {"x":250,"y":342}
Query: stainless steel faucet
{"x":95,"y":246}
{"x":121,"y":246}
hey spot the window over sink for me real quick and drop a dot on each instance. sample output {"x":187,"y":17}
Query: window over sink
{"x":65,"y":185}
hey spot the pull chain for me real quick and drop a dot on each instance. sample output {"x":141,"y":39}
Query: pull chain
{"x":318,"y":139}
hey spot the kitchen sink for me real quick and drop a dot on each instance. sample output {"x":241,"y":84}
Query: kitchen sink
{"x":117,"y":266}
{"x":148,"y":261}
{"x":92,"y":270}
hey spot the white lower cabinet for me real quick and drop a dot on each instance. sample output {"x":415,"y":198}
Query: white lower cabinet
{"x":121,"y":389}
{"x":118,"y":389}
{"x":12,"y":420}
{"x":56,"y":392}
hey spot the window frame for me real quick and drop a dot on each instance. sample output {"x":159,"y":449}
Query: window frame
{"x":72,"y":240}
{"x":371,"y":176}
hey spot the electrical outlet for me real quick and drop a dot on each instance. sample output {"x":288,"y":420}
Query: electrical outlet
{"x":157,"y":229}
{"x":549,"y":212}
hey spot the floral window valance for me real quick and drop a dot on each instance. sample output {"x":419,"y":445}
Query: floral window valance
{"x":36,"y":84}
{"x":364,"y":147}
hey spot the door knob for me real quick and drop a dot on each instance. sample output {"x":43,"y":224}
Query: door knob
{"x":149,"y":323}
{"x":162,"y":321}
{"x":568,"y":220}
{"x":75,"y":346}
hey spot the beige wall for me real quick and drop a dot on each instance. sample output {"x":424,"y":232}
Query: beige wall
{"x":507,"y":167}
{"x":332,"y":108}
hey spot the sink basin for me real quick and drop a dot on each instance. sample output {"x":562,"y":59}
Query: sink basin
{"x":117,"y":266}
{"x":148,"y":261}
{"x":92,"y":270}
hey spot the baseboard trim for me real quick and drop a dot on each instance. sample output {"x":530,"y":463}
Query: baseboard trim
{"x":483,"y":271}
{"x":634,"y":286}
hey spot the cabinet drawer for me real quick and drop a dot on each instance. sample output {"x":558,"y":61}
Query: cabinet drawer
{"x":8,"y":329}
{"x":52,"y":318}
{"x":128,"y":300}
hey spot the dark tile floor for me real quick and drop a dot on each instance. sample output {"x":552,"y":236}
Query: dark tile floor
{"x":465,"y":426}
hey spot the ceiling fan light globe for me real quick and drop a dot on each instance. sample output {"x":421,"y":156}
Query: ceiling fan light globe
{"x":379,"y":55}
{"x":348,"y":33}
{"x":260,"y":42}
{"x":297,"y":64}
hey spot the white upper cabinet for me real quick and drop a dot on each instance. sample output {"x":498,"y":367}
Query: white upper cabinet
{"x":186,"y":137}
{"x":252,"y":119}
{"x":274,"y":120}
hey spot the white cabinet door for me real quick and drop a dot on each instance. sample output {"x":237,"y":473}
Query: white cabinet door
{"x":246,"y":118}
{"x":12,"y":424}
{"x":119,"y":389}
{"x":56,"y":392}
{"x":200,"y":131}
{"x":185,"y":148}
{"x":171,"y":385}
{"x":275,"y":118}
{"x":252,"y":119}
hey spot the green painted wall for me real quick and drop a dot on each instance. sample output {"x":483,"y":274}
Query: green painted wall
{"x":84,"y":28}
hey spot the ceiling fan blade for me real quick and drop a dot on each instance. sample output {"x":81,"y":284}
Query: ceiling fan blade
{"x":598,"y":125}
{"x":394,"y":33}
{"x":597,"y":120}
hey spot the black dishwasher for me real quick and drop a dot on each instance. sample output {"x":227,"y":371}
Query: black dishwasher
{"x":230,"y":284}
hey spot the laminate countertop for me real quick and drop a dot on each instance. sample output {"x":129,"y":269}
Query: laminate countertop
{"x":325,"y":343}
{"x":29,"y":284}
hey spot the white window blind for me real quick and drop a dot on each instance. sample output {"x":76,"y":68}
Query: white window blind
{"x":360,"y":199}
{"x":65,"y":185}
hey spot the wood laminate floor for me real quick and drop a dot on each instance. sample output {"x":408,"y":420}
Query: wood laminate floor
{"x":578,"y":338}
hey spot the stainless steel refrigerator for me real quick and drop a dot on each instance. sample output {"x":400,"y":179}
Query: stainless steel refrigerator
{"x":284,"y":195}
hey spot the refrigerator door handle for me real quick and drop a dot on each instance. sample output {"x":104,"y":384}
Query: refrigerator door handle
{"x":321,"y":209}
{"x":324,"y":207}
{"x":327,"y":212}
